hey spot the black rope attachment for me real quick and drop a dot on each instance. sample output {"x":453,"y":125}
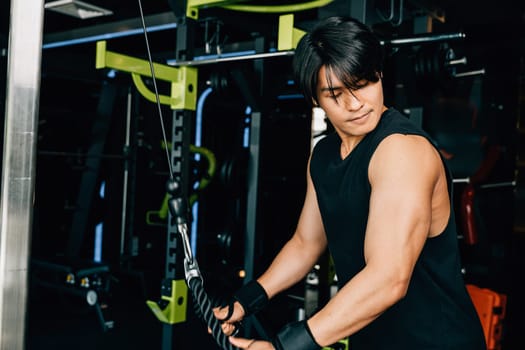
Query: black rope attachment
{"x":178,"y":207}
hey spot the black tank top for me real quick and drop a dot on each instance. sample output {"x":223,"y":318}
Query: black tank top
{"x":437,"y":312}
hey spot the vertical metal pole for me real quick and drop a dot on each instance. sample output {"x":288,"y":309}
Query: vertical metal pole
{"x":252,"y":208}
{"x":180,"y":151}
{"x":18,"y":166}
{"x":253,"y":167}
{"x":125,"y":177}
{"x":252,"y":196}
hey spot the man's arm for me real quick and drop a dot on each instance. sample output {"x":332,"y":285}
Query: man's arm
{"x":293,"y":261}
{"x":403,"y":174}
{"x":301,"y":252}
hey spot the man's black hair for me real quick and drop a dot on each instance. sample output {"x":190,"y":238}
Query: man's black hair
{"x":346,"y":47}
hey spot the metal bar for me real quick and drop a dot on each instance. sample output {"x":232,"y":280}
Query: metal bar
{"x":183,"y":80}
{"x":469,"y":73}
{"x":221,"y":59}
{"x":18,"y":166}
{"x":456,"y":62}
{"x":423,"y":39}
{"x":125,"y":177}
{"x":464,"y":180}
{"x":209,"y":3}
{"x":499,"y":184}
{"x":193,"y":6}
{"x":119,"y":29}
{"x":129,"y":64}
{"x":180,"y":143}
{"x":174,"y":269}
{"x":252,"y":196}
{"x":286,"y":8}
{"x":252,"y":210}
{"x":233,"y":57}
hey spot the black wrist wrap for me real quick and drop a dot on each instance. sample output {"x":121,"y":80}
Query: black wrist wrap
{"x":252,"y":297}
{"x":295,"y":336}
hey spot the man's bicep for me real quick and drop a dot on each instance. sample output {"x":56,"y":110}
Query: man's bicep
{"x":402,"y":177}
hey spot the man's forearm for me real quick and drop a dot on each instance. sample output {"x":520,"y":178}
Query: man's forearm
{"x":356,"y":304}
{"x":291,"y":265}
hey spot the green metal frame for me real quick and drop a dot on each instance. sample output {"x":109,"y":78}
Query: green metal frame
{"x":175,"y":311}
{"x":307,"y":5}
{"x":192,"y":8}
{"x":183,"y":79}
{"x":288,"y":36}
{"x":183,"y":96}
{"x":194,"y":5}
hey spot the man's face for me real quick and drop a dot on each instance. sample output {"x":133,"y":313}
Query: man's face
{"x":353,"y":113}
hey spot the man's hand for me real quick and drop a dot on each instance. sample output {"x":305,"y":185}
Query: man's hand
{"x":229,"y":323}
{"x":251,"y":344}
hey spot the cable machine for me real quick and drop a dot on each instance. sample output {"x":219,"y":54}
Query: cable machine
{"x":182,"y":75}
{"x":171,"y":309}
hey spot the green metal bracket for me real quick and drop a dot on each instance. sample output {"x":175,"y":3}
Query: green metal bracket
{"x":192,"y":8}
{"x":175,"y":311}
{"x":303,"y":6}
{"x":289,"y":36}
{"x":183,"y":79}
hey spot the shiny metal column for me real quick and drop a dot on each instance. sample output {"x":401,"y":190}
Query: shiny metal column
{"x":18,"y":166}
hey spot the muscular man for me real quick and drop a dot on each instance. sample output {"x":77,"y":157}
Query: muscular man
{"x":379,"y":198}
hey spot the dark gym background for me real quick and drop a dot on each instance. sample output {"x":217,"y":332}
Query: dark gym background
{"x":473,"y":108}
